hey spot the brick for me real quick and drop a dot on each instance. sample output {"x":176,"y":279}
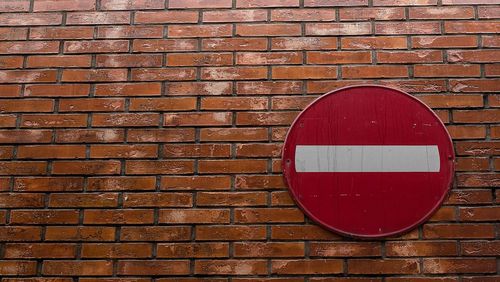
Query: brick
{"x":17,"y":268}
{"x":159,"y":167}
{"x":94,"y":75}
{"x":92,"y":105}
{"x":338,"y":28}
{"x":471,"y":27}
{"x":425,"y":249}
{"x":374,"y":71}
{"x":481,"y":278}
{"x":163,"y":74}
{"x":268,"y":87}
{"x":13,"y":33}
{"x":194,"y":216}
{"x":457,"y":231}
{"x":22,"y":168}
{"x":119,"y":250}
{"x":14,"y":6}
{"x":130,"y":32}
{"x":491,"y":41}
{"x":156,"y":267}
{"x":109,"y":216}
{"x":125,"y":119}
{"x":447,"y":71}
{"x":459,"y":265}
{"x":25,"y":136}
{"x":121,"y":183}
{"x":195,"y":183}
{"x":97,"y":18}
{"x":338,"y":57}
{"x":102,"y":46}
{"x":387,"y":266}
{"x":473,"y":56}
{"x":132,"y":5}
{"x":198,"y":119}
{"x":234,"y":44}
{"x":26,"y":19}
{"x":166,"y":17}
{"x":61,"y":33}
{"x":459,"y":41}
{"x":238,"y":199}
{"x":63,"y":5}
{"x":232,"y":166}
{"x":234,"y":73}
{"x":59,"y":61}
{"x":345,"y":249}
{"x":273,"y":250}
{"x":193,"y":250}
{"x":301,"y":72}
{"x":51,"y":152}
{"x":404,"y":3}
{"x":6,"y":152}
{"x":407,"y":28}
{"x":480,"y":248}
{"x":48,"y":184}
{"x":472,"y":85}
{"x":477,"y":116}
{"x":301,"y":232}
{"x":452,"y":101}
{"x":486,"y":12}
{"x":82,"y":233}
{"x":154,"y":200}
{"x":40,"y":250}
{"x":259,"y":182}
{"x":441,"y":13}
{"x":399,"y":57}
{"x":196,"y":150}
{"x":199,"y":4}
{"x":266,"y":4}
{"x":484,"y":148}
{"x":233,"y":103}
{"x":379,"y":42}
{"x":258,"y":150}
{"x":89,"y":135}
{"x":263,"y":215}
{"x":302,"y":15}
{"x":268,"y":30}
{"x":11,"y":62}
{"x":201,"y":59}
{"x":20,"y":47}
{"x":86,"y":167}
{"x":161,"y":135}
{"x":291,"y":103}
{"x":75,"y":200}
{"x":50,"y":90}
{"x":230,"y":267}
{"x":78,"y":268}
{"x":118,"y":61}
{"x":492,"y":70}
{"x":26,"y":76}
{"x":54,"y":120}
{"x":156,"y":233}
{"x":304,"y":43}
{"x":27,"y":106}
{"x":186,"y":31}
{"x":230,"y":233}
{"x":20,"y":233}
{"x":128,"y":89}
{"x":164,"y":45}
{"x":275,"y":58}
{"x":317,"y":266}
{"x":8,"y":121}
{"x":16,"y":200}
{"x":479,"y":214}
{"x":235,"y":16}
{"x":467,"y":197}
{"x":199,"y":88}
{"x":380,"y":14}
{"x":44,"y":217}
{"x":467,"y":132}
{"x":123,"y":151}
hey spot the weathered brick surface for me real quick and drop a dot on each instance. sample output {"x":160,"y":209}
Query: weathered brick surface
{"x":140,"y":141}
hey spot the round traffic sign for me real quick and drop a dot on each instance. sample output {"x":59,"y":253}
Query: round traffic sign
{"x":368,"y":161}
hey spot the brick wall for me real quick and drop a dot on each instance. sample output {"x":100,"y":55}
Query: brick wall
{"x":142,"y":139}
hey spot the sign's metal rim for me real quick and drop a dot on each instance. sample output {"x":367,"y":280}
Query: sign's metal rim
{"x":286,"y":163}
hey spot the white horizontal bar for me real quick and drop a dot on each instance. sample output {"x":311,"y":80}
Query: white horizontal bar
{"x":367,"y":158}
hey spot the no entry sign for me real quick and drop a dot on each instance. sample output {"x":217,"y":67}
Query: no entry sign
{"x":368,"y":161}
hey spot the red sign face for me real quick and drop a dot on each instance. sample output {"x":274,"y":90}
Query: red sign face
{"x":368,"y":161}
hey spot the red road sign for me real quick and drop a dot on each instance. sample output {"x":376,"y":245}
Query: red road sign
{"x":368,"y":161}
